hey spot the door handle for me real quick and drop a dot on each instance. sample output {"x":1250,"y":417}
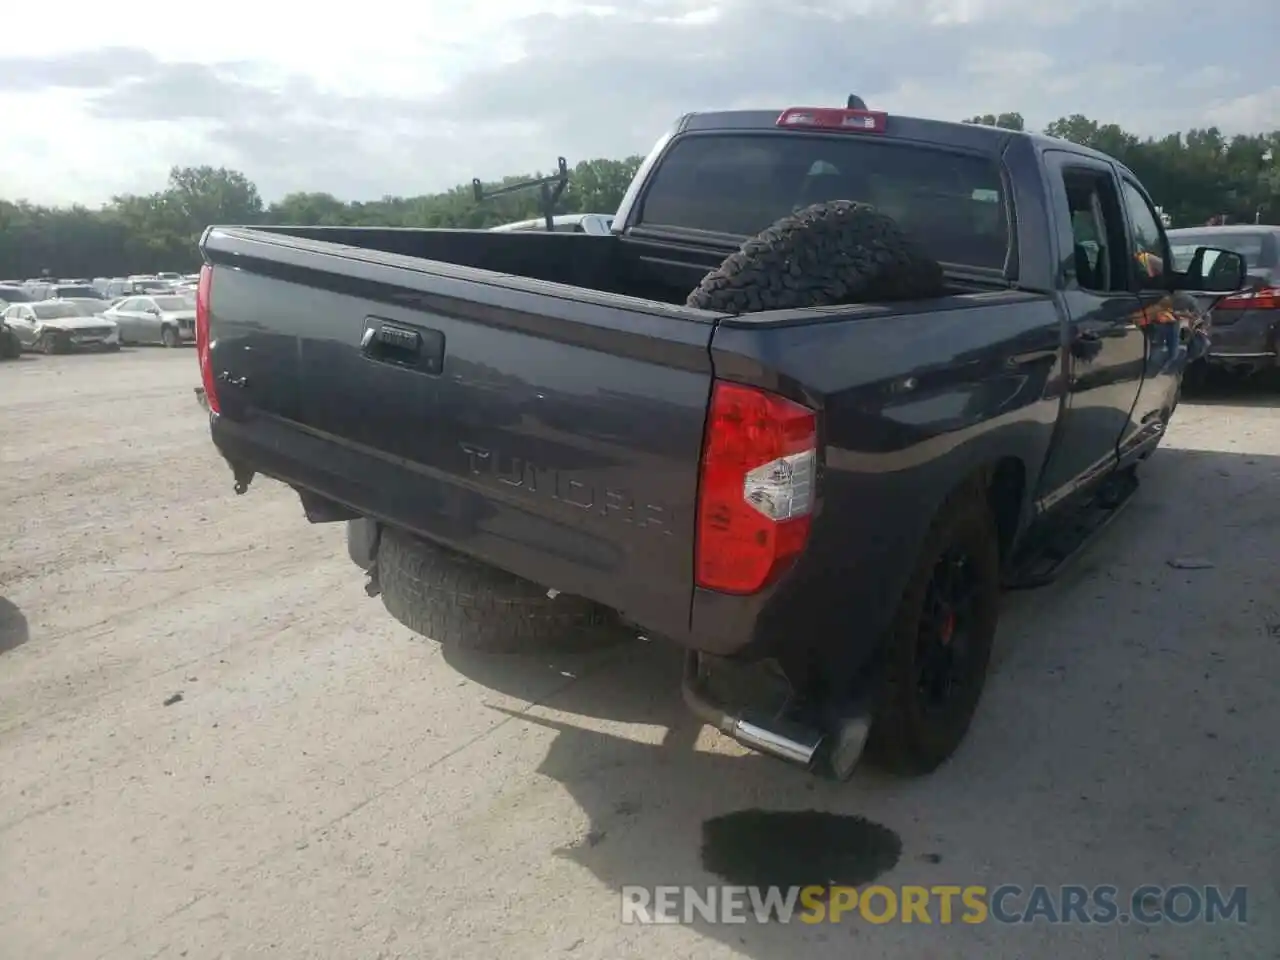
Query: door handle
{"x":391,"y":344}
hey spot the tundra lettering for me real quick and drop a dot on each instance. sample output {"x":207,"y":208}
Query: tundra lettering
{"x":606,"y":501}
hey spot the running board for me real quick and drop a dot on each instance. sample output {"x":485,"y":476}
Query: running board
{"x":834,"y":751}
{"x":1048,"y":560}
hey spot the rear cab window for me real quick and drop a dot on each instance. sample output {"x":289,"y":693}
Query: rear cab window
{"x":739,"y":183}
{"x":1251,"y":246}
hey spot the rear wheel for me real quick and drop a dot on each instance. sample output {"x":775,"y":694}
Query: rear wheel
{"x":940,"y":642}
{"x":461,"y":602}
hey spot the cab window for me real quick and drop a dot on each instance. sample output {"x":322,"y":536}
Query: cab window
{"x":1150,"y":249}
{"x":738,"y":184}
{"x":1099,"y":255}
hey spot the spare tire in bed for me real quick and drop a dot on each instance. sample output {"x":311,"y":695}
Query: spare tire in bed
{"x":826,"y":254}
{"x":461,"y":602}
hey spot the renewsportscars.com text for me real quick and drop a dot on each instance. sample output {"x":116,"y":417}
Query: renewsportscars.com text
{"x":1148,"y":904}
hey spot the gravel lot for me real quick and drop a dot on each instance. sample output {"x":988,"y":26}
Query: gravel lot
{"x":329,"y":785}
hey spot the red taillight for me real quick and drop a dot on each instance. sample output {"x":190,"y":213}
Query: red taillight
{"x":203,"y":290}
{"x":1265,"y":298}
{"x":756,"y":492}
{"x":828,"y":118}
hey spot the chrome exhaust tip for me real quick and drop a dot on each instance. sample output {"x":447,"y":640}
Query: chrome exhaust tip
{"x":786,"y":741}
{"x":775,"y":736}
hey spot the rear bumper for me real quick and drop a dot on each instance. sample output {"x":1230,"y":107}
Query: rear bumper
{"x":1249,"y":340}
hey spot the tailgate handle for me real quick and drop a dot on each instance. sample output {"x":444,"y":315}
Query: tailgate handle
{"x":385,"y":341}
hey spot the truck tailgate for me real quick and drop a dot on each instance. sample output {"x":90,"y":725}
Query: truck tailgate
{"x":551,"y":431}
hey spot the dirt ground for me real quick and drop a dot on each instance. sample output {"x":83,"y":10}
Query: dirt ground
{"x":213,"y":744}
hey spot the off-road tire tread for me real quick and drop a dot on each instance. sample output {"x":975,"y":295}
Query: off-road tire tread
{"x":460,"y":602}
{"x":826,"y":254}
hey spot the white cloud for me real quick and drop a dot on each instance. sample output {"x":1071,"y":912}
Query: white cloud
{"x":410,"y":99}
{"x":64,"y":156}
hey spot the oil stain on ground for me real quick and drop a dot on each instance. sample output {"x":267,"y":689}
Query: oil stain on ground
{"x":796,"y":848}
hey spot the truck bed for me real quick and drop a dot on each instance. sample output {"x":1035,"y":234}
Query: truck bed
{"x":659,"y":270}
{"x":555,"y":431}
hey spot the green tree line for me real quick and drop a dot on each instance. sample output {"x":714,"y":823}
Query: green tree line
{"x":1194,"y":176}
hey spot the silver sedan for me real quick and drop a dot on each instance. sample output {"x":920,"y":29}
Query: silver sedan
{"x":169,"y":319}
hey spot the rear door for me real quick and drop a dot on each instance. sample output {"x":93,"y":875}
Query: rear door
{"x":146,"y":319}
{"x":1107,"y":348}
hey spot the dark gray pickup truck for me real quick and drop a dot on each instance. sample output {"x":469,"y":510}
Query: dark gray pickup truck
{"x":835,"y":379}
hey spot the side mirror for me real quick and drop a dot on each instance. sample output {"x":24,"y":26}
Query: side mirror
{"x":1214,"y":270}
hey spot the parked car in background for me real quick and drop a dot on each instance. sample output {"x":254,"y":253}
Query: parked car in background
{"x":597,"y":224}
{"x":1244,"y":328}
{"x":122,"y":288}
{"x":89,"y":306}
{"x":165,"y":318}
{"x":64,"y":291}
{"x":10,"y":345}
{"x":13,"y":293}
{"x":168,"y":275}
{"x":59,"y":326}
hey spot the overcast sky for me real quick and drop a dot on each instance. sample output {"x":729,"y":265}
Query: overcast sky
{"x":375,"y":98}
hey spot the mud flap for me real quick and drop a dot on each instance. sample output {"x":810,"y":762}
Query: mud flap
{"x":362,"y":542}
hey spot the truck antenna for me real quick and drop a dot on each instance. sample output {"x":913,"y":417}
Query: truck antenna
{"x":855,"y":102}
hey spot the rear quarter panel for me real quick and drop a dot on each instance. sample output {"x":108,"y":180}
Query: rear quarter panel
{"x":911,"y":406}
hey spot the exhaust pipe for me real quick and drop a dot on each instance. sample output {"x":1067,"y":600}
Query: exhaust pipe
{"x":775,"y":736}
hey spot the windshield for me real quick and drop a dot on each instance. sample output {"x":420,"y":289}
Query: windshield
{"x":88,"y":307}
{"x":173,"y":303}
{"x":1183,"y":247}
{"x":739,"y":184}
{"x":14,"y":295}
{"x":56,"y":311}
